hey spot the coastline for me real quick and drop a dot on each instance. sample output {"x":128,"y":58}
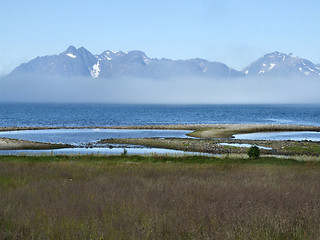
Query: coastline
{"x":206,"y":139}
{"x":18,"y":144}
{"x":200,"y":130}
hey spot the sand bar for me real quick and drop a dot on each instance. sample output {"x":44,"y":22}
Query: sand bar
{"x":16,"y":144}
{"x":200,"y":130}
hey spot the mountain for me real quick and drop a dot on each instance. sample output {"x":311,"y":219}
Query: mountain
{"x":109,"y":64}
{"x":72,"y":62}
{"x":278,"y":64}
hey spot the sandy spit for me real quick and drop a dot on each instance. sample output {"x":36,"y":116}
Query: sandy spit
{"x":16,"y":144}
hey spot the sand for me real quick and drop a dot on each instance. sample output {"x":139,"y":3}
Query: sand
{"x":15,"y":144}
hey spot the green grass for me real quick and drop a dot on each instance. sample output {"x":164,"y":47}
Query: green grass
{"x":158,"y":197}
{"x":184,"y":159}
{"x":307,"y":149}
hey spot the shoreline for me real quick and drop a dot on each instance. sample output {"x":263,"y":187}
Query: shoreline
{"x":199,"y":130}
{"x":211,"y":146}
{"x":207,"y":137}
{"x":18,"y":144}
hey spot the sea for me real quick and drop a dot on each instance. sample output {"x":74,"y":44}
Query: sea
{"x":95,"y":115}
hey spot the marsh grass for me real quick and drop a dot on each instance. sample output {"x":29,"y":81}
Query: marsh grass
{"x":305,"y":149}
{"x":158,"y":197}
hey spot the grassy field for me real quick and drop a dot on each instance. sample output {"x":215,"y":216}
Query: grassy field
{"x":158,"y":197}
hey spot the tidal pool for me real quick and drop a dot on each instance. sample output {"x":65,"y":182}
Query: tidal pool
{"x":130,"y":150}
{"x":280,"y":136}
{"x":89,"y":137}
{"x":242,"y":145}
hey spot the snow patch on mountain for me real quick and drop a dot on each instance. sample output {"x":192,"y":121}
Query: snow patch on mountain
{"x":146,"y":60}
{"x":95,"y":70}
{"x":272,"y":65}
{"x":71,"y":55}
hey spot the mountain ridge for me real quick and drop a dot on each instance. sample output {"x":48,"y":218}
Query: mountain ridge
{"x":80,"y":62}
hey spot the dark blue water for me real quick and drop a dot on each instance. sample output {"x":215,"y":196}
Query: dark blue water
{"x":69,"y":115}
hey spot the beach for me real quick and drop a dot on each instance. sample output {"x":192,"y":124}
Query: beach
{"x":18,"y":144}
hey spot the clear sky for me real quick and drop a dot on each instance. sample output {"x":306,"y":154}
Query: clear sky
{"x":230,"y":31}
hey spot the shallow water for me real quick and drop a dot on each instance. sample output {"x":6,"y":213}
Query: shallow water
{"x":82,"y":136}
{"x":242,"y":145}
{"x":101,"y":151}
{"x":281,"y":136}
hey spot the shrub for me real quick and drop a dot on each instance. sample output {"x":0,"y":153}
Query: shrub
{"x":125,"y":151}
{"x":254,"y":152}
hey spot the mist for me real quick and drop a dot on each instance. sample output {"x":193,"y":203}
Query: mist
{"x":168,"y":91}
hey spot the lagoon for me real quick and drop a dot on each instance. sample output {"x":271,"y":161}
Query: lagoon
{"x":281,"y":136}
{"x":81,"y":137}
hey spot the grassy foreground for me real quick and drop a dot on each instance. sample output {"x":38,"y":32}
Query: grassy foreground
{"x":158,"y":197}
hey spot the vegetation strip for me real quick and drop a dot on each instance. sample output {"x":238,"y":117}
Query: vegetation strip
{"x":212,"y":146}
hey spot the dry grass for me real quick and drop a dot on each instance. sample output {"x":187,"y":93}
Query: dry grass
{"x":151,"y":198}
{"x":228,"y":130}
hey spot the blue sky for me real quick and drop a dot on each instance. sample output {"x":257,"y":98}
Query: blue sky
{"x":229,"y":31}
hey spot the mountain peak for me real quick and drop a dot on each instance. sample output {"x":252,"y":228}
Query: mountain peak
{"x":276,"y":54}
{"x":281,"y":65}
{"x":71,"y":49}
{"x":70,"y":52}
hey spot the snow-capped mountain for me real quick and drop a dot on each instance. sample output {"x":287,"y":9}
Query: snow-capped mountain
{"x":80,"y":62}
{"x":278,"y":64}
{"x":72,"y":62}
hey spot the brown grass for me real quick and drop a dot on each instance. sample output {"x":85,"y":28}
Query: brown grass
{"x":228,"y":130}
{"x":100,"y":198}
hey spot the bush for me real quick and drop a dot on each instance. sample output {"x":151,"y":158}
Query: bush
{"x":254,"y":152}
{"x":125,"y":151}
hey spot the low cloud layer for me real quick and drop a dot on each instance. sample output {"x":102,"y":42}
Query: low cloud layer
{"x":149,"y":91}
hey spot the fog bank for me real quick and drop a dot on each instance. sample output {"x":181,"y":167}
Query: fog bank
{"x":149,"y":91}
